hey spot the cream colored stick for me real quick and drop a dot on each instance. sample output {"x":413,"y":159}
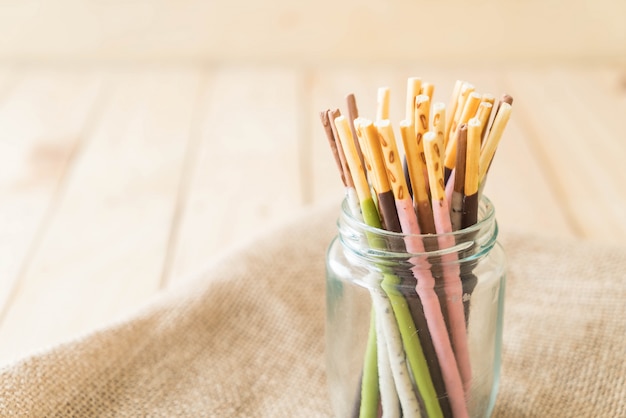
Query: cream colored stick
{"x":483,"y":114}
{"x":413,"y":87}
{"x":488,"y":148}
{"x":352,"y":157}
{"x":368,"y":137}
{"x":422,"y":116}
{"x":392,"y":159}
{"x":382,"y":103}
{"x":454,"y":102}
{"x":474,"y":131}
{"x":428,"y":89}
{"x":466,"y":90}
{"x":470,"y":106}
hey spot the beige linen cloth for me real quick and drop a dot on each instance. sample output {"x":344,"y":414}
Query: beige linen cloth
{"x":246,"y":339}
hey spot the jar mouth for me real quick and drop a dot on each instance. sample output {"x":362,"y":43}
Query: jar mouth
{"x":468,"y":243}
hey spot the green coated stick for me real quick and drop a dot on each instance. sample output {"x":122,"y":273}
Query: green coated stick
{"x":369,"y":385}
{"x":414,"y":352}
{"x":413,"y":349}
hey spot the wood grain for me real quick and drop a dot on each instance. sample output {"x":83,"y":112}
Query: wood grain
{"x":102,"y":252}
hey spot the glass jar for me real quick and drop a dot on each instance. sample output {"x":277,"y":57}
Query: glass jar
{"x":414,"y":333}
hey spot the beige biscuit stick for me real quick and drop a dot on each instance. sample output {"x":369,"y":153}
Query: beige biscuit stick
{"x":367,"y":160}
{"x":392,"y":159}
{"x":352,"y":157}
{"x":414,"y":161}
{"x":433,"y":149}
{"x":413,"y":87}
{"x":470,"y":106}
{"x":454,"y":101}
{"x":488,"y":148}
{"x":422,"y":114}
{"x":482,"y":114}
{"x":428,"y":89}
{"x":417,"y":175}
{"x":466,"y":90}
{"x":382,"y":103}
{"x":472,"y":156}
{"x":438,"y":123}
{"x":368,"y":137}
{"x":422,"y":122}
{"x":353,"y":113}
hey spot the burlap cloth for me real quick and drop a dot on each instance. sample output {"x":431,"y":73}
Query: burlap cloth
{"x":246,"y":339}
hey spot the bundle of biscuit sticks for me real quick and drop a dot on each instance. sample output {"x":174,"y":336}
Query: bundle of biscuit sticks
{"x":434,"y":188}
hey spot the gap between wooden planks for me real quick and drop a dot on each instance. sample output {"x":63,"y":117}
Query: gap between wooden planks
{"x":102,"y":251}
{"x":41,"y":120}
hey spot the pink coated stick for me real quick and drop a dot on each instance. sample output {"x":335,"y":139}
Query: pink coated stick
{"x":454,"y":291}
{"x":432,"y":309}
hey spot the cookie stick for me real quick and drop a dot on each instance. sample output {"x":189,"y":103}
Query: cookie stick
{"x":327,"y":118}
{"x":484,"y":112}
{"x":470,"y":203}
{"x":422,"y":203}
{"x":472,"y":157}
{"x":428,"y":89}
{"x":470,"y":106}
{"x":413,"y":87}
{"x":451,"y":272}
{"x":416,"y":177}
{"x":389,"y":341}
{"x":368,"y":138}
{"x":369,"y":380}
{"x":353,"y":200}
{"x":466,"y":90}
{"x":454,"y":102}
{"x":488,"y":148}
{"x":382,"y":103}
{"x":353,"y":113}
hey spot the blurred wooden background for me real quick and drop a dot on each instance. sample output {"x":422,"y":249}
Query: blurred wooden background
{"x":119,"y":123}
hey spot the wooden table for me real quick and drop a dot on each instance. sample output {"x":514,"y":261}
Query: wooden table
{"x":118,"y":182}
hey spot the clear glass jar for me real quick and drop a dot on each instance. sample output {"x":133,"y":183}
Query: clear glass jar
{"x":414,"y":333}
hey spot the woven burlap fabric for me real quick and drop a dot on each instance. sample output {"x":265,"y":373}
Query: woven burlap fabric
{"x":246,"y":339}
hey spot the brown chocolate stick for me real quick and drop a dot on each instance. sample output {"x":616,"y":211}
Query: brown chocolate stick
{"x":353,"y":113}
{"x":333,"y":144}
{"x":332,"y":115}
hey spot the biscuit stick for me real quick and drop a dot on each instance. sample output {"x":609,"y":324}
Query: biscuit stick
{"x":451,"y":272}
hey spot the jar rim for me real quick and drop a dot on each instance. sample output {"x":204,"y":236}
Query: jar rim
{"x":486,"y":215}
{"x":471,"y":242}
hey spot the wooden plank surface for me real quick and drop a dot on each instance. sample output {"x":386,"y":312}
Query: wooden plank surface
{"x":245,"y":172}
{"x":102,"y":252}
{"x":116,"y":183}
{"x":42,"y":117}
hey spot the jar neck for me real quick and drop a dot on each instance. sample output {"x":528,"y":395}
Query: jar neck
{"x":373,"y":245}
